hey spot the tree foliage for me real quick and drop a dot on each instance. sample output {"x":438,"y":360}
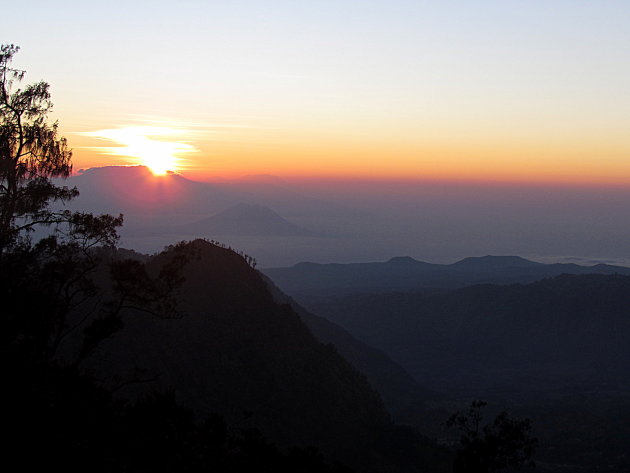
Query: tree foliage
{"x":31,"y":154}
{"x":502,"y":445}
{"x":67,"y":285}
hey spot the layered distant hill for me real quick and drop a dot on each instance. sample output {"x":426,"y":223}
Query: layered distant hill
{"x":135,"y":190}
{"x":507,"y":340}
{"x":258,"y":215}
{"x":408,"y":274}
{"x":527,"y":336}
{"x":369,"y":221}
{"x":479,"y":323}
{"x":245,"y":220}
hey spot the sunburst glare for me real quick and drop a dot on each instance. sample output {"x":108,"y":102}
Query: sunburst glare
{"x":146,"y":145}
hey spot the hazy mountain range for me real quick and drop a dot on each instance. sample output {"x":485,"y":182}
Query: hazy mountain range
{"x":161,"y":210}
{"x":362,"y":221}
{"x":548,"y":341}
{"x":408,"y":274}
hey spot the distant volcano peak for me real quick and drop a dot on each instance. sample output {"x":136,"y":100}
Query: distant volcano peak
{"x":244,"y":219}
{"x":403,"y":260}
{"x":490,"y":261}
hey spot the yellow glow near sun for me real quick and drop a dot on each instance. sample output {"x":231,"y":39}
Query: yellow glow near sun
{"x":145,"y":145}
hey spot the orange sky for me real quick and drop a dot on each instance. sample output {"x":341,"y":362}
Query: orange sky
{"x":244,"y":152}
{"x":488,"y":90}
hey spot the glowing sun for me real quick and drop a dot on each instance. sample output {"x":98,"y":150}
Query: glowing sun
{"x":146,"y":145}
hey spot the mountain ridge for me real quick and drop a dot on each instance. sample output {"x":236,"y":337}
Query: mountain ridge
{"x":308,"y":279}
{"x":236,"y":350}
{"x":397,"y":388}
{"x":564,"y":329}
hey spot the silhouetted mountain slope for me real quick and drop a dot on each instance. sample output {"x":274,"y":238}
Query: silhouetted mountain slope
{"x":236,"y":350}
{"x":408,"y":274}
{"x":567,"y":331}
{"x":245,"y":220}
{"x":397,"y":388}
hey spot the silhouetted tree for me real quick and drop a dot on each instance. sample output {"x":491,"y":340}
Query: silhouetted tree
{"x":31,"y":154}
{"x":48,"y":289}
{"x":501,"y":445}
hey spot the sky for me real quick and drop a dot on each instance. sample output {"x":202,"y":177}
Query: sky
{"x":527,"y":91}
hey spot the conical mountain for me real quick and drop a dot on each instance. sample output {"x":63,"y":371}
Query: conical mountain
{"x":246,"y":220}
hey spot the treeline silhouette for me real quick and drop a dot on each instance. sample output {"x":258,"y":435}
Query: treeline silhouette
{"x":251,"y":261}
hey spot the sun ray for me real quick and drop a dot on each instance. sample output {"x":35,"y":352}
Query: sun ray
{"x":149,"y":146}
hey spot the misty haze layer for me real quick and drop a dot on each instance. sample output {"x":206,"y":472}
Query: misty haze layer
{"x":286,"y":222}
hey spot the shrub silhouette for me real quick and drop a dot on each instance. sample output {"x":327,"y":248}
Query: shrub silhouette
{"x":501,"y":445}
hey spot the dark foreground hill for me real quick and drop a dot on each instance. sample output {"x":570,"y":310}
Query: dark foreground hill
{"x":216,"y":376}
{"x":237,"y":352}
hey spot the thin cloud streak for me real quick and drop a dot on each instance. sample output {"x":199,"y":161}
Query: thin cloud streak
{"x":145,"y":145}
